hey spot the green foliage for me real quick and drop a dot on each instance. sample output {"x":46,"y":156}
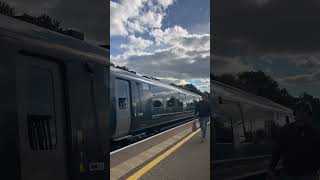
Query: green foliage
{"x":43,"y":20}
{"x":6,"y":9}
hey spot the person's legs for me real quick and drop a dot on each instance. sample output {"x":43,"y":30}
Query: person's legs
{"x":203,"y":125}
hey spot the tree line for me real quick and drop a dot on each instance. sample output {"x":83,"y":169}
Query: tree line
{"x":42,"y":20}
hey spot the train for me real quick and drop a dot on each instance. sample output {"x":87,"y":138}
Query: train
{"x":140,"y":104}
{"x":244,"y":126}
{"x":62,"y":102}
{"x":55,"y":105}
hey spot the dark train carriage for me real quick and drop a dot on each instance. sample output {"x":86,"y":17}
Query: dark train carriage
{"x":54,"y":105}
{"x":244,"y":124}
{"x":244,"y":128}
{"x":141,"y":104}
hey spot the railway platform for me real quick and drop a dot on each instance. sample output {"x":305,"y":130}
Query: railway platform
{"x":177,"y":153}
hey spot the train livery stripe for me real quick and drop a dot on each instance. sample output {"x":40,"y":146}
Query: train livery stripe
{"x":153,"y":163}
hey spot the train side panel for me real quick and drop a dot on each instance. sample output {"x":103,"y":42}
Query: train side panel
{"x":243,"y":128}
{"x":9,"y":139}
{"x":151,"y":105}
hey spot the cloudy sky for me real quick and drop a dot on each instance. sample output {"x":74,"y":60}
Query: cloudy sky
{"x":279,"y":37}
{"x":167,"y":39}
{"x":87,"y":16}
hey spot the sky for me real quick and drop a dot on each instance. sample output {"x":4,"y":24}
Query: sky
{"x":280,"y":38}
{"x":87,"y":16}
{"x":166,"y":39}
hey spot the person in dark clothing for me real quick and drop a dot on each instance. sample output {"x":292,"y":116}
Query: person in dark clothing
{"x":203,"y":111}
{"x":299,"y":145}
{"x":287,"y":120}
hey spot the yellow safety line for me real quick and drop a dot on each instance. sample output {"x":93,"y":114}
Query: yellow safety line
{"x":150,"y":165}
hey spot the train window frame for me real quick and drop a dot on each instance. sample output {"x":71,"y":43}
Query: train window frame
{"x":217,"y":119}
{"x":44,"y":123}
{"x":123,"y":104}
{"x":145,"y":86}
{"x":179,"y":100}
{"x":174,"y":102}
{"x":158,"y":99}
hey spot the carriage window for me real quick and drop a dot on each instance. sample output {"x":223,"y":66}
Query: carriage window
{"x":41,"y":110}
{"x":223,"y":128}
{"x":171,"y":102}
{"x":180,"y":103}
{"x":123,"y":103}
{"x":157,"y":103}
{"x":145,"y":87}
{"x":191,"y":102}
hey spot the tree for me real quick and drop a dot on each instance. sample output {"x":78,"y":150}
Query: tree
{"x":43,"y":20}
{"x":189,"y":87}
{"x":5,"y":9}
{"x":258,"y":83}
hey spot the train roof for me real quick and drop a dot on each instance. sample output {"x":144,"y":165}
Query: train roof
{"x":238,"y":94}
{"x":34,"y":38}
{"x":154,"y":82}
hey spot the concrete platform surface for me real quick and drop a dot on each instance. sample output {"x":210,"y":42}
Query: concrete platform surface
{"x":189,"y":162}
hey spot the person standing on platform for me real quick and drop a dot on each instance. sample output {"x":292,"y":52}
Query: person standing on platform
{"x":203,"y":111}
{"x":299,"y":145}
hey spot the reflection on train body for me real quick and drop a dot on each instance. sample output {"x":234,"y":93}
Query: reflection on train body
{"x":245,"y":125}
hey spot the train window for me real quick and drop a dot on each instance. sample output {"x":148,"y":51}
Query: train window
{"x":41,"y":112}
{"x":145,"y":87}
{"x":223,"y":129}
{"x":171,"y":102}
{"x":180,"y":103}
{"x":157,"y":103}
{"x":190,"y":102}
{"x":184,"y":102}
{"x":123,"y":103}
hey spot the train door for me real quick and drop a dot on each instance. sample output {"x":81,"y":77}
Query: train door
{"x":122,"y":94}
{"x":233,"y":110}
{"x":41,"y":120}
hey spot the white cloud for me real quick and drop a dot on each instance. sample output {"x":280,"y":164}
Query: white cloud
{"x":121,"y":12}
{"x":151,"y":19}
{"x":130,"y":16}
{"x":136,"y":43}
{"x":301,"y":79}
{"x":180,"y":37}
{"x":165,"y":3}
{"x":179,"y":57}
{"x":170,"y":64}
{"x":220,"y":65}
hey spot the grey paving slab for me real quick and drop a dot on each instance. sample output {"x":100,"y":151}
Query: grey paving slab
{"x":190,"y":162}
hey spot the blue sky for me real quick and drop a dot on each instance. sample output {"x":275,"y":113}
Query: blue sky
{"x":167,"y":39}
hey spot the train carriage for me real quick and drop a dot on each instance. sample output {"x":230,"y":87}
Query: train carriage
{"x":244,"y":129}
{"x":54,"y":105}
{"x":141,"y":104}
{"x":61,"y":103}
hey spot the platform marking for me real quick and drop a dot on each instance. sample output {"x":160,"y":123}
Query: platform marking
{"x":153,"y":163}
{"x":128,"y":165}
{"x":151,"y":137}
